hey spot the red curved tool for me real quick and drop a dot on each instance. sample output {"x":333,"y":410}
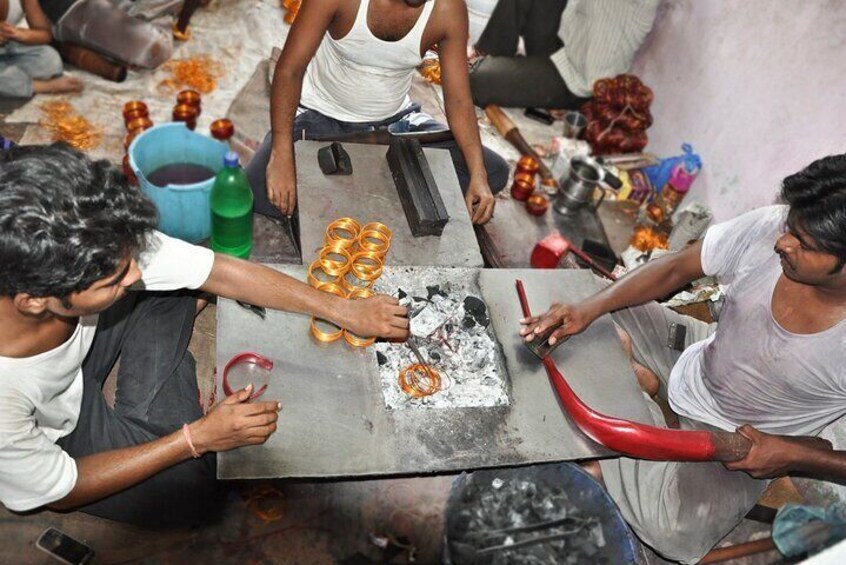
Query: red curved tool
{"x":247,"y":357}
{"x":639,"y":440}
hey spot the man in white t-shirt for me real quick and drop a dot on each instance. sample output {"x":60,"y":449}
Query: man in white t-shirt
{"x":85,"y":278}
{"x":775,"y":368}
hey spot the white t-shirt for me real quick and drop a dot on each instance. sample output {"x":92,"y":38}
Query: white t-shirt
{"x":40,"y":396}
{"x":753,"y":371}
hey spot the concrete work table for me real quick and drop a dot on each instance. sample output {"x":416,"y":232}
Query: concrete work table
{"x":334,"y":422}
{"x":369,"y":195}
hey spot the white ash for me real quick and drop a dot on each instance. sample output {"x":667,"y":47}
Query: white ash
{"x":451,"y":327}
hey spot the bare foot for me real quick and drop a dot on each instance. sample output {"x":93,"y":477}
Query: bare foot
{"x":57,"y":85}
{"x":647,"y":380}
{"x":592,"y":467}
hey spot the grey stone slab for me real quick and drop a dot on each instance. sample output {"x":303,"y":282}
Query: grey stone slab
{"x":515,"y":232}
{"x":593,"y":362}
{"x":369,"y":195}
{"x":334,"y":422}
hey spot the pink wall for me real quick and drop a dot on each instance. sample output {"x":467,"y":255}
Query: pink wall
{"x":757,"y":86}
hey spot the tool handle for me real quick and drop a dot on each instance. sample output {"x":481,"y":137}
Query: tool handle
{"x":729,"y":446}
{"x":499,"y":119}
{"x":184,"y":18}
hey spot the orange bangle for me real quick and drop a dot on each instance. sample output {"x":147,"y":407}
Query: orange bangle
{"x":365,"y":241}
{"x":187,"y":433}
{"x":335,"y":267}
{"x":320,"y":335}
{"x":351,"y":283}
{"x":376,"y":226}
{"x":340,"y":226}
{"x":365,"y":271}
{"x":313,"y":279}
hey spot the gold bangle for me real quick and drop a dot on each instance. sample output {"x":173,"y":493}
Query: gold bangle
{"x":350,"y":337}
{"x":365,"y":243}
{"x":314,"y":268}
{"x":343,"y":225}
{"x":410,"y":381}
{"x":334,"y":267}
{"x":350,"y":282}
{"x":376,"y":226}
{"x":365,"y":271}
{"x":320,"y":335}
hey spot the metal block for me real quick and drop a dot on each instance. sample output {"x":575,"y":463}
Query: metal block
{"x":418,"y":193}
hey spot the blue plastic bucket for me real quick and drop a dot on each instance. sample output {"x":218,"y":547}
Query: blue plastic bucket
{"x":184,"y":208}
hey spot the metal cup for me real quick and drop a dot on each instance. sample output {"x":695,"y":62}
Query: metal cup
{"x":574,"y":123}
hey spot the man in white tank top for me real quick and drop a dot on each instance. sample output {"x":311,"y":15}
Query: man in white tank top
{"x":774,"y":369}
{"x":347,"y":66}
{"x":28,"y":65}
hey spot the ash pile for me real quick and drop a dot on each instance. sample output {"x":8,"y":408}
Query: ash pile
{"x":507,"y":518}
{"x":451,"y":326}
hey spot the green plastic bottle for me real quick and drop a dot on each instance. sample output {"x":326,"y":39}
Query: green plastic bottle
{"x":231,"y":203}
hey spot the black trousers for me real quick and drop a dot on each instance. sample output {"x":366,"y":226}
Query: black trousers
{"x":504,"y":79}
{"x":312,"y":122}
{"x":156,"y":393}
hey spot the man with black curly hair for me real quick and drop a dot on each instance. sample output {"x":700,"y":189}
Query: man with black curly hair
{"x":85,"y":278}
{"x":773,"y":370}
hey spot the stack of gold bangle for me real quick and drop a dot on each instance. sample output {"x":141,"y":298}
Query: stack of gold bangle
{"x":320,"y":335}
{"x":317,"y":276}
{"x":375,"y":237}
{"x":347,"y":266}
{"x":340,"y":228}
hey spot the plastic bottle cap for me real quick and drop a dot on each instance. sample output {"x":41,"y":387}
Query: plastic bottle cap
{"x":230,"y":159}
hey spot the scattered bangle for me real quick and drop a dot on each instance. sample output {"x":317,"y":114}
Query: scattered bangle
{"x":187,"y":433}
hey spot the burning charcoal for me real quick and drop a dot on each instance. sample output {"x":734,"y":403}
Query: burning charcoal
{"x":380,"y":358}
{"x":401,"y":293}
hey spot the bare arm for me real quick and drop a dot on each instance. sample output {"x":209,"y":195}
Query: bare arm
{"x":654,"y":280}
{"x":263,"y":286}
{"x":39,"y":26}
{"x":306,"y":33}
{"x":461,"y":114}
{"x":773,"y":456}
{"x":232,"y":423}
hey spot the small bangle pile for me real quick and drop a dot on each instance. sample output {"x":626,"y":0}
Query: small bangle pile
{"x":351,"y":260}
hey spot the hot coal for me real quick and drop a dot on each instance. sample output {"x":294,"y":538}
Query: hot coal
{"x":463,"y":350}
{"x":515,"y":520}
{"x":380,"y":358}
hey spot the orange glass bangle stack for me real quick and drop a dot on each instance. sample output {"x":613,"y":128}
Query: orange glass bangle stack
{"x":349,"y":263}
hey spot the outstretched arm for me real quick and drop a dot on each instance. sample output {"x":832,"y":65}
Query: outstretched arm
{"x":654,"y":280}
{"x":460,"y":112}
{"x":250,"y":282}
{"x":308,"y":30}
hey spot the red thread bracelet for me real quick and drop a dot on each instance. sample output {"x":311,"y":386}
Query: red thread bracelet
{"x":187,"y":433}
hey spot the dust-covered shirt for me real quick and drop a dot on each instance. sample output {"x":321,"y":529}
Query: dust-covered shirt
{"x":752,"y":370}
{"x":40,"y":396}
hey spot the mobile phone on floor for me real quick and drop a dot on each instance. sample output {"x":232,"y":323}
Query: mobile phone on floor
{"x":64,"y":548}
{"x":539,"y":115}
